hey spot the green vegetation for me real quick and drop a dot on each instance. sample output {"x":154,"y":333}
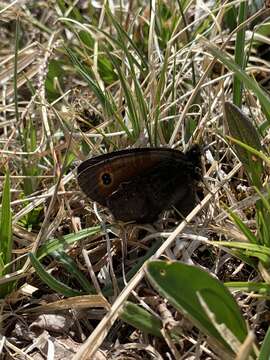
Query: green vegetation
{"x":80,"y":79}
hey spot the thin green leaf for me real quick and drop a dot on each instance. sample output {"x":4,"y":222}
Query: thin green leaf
{"x":265,"y":348}
{"x":254,"y":287}
{"x":15,"y":79}
{"x":6,"y":240}
{"x":105,"y":99}
{"x":249,"y":82}
{"x":262,"y":219}
{"x":244,"y":245}
{"x":132,"y":104}
{"x":251,"y":261}
{"x":87,"y":77}
{"x":264,"y":200}
{"x":5,"y":225}
{"x":141,"y":319}
{"x":54,"y":284}
{"x":64,"y":242}
{"x":123,"y":38}
{"x":257,"y":153}
{"x":259,"y":251}
{"x":243,"y":227}
{"x":240,"y":58}
{"x":72,"y":268}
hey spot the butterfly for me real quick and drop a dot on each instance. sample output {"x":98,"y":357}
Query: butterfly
{"x":138,"y":184}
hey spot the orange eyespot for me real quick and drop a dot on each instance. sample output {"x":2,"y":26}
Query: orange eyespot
{"x":106,"y":179}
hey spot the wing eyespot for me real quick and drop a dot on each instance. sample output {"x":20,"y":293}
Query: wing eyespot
{"x":106,"y":179}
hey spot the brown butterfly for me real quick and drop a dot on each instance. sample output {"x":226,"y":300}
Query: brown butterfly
{"x":138,"y":184}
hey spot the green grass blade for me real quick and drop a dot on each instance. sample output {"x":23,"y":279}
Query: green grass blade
{"x":263,"y":217}
{"x":15,"y":80}
{"x":85,"y":73}
{"x":64,"y":242}
{"x":251,"y":287}
{"x":141,"y":319}
{"x":5,"y":227}
{"x":108,"y":104}
{"x":243,"y":228}
{"x":265,"y":348}
{"x":240,"y":58}
{"x":129,"y":96}
{"x":72,"y":268}
{"x":253,"y":250}
{"x":248,"y":81}
{"x":48,"y":279}
{"x":124,"y":38}
{"x":6,"y":241}
{"x":257,"y":153}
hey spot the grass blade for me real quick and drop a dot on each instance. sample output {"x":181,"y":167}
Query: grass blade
{"x":240,"y":58}
{"x":141,"y":319}
{"x":248,"y":81}
{"x":5,"y":227}
{"x":48,"y":279}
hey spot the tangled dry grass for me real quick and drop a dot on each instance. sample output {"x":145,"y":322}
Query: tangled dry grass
{"x":79,"y":79}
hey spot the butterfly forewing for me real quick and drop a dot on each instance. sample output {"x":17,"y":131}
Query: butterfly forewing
{"x":144,"y":198}
{"x":119,"y":167}
{"x":137,"y":184}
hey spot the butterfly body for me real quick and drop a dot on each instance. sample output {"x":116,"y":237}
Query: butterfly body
{"x":138,"y":184}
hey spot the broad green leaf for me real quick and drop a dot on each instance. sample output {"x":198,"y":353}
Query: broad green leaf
{"x":230,"y":17}
{"x":181,"y":284}
{"x":241,"y":128}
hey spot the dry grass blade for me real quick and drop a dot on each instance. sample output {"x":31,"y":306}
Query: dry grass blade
{"x":81,"y":79}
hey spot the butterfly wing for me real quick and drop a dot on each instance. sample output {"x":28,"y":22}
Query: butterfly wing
{"x":146,"y":196}
{"x":101,"y":176}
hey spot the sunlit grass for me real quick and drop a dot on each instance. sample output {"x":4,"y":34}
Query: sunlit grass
{"x":78,"y":81}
